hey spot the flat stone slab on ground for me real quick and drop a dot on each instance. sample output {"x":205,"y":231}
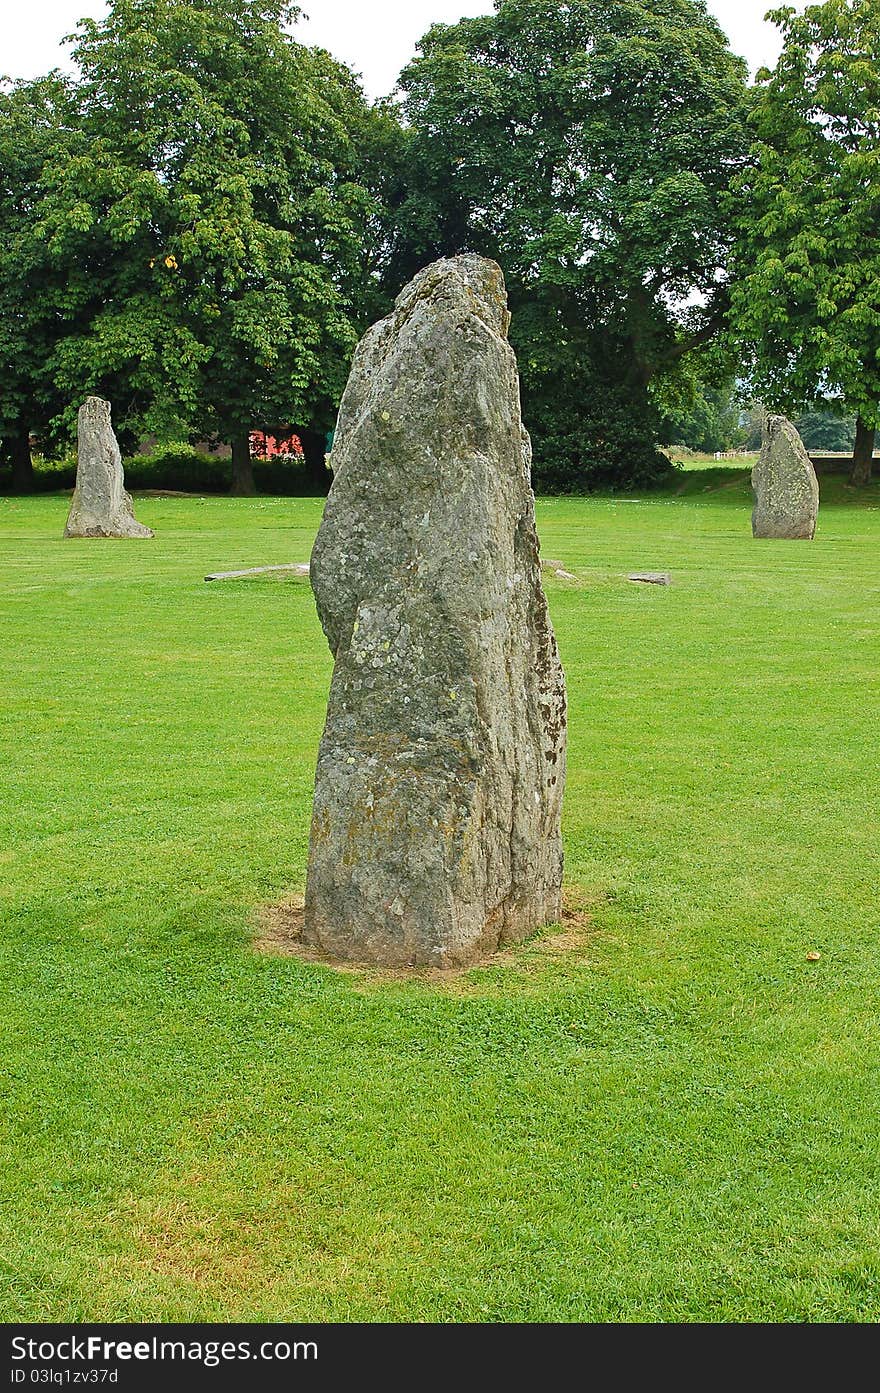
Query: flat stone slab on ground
{"x":298,"y":568}
{"x":652,"y":577}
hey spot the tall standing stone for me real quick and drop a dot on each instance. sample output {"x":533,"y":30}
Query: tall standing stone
{"x":436,"y":827}
{"x":100,"y":506}
{"x":784,"y":484}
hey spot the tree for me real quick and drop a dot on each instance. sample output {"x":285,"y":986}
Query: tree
{"x":826,"y":427}
{"x":584,"y":146}
{"x":806,"y":292}
{"x":707,"y":419}
{"x":216,"y":202}
{"x":35,"y":304}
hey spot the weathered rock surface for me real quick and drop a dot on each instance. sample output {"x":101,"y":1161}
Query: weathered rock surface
{"x":651,"y":577}
{"x":296,"y":568}
{"x":100,"y":506}
{"x":784,"y":484}
{"x":436,"y":827}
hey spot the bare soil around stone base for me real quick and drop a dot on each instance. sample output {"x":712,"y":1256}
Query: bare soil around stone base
{"x":278,"y":930}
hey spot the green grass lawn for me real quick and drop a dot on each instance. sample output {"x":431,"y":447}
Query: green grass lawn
{"x":677,"y":1118}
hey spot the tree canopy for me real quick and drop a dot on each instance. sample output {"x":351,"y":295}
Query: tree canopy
{"x":709,"y":420}
{"x":806,"y":291}
{"x":213,"y":209}
{"x":200,"y":223}
{"x":586,"y":147}
{"x":37,"y":305}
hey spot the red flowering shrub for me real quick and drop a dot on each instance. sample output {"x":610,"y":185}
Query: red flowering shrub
{"x":265,"y":446}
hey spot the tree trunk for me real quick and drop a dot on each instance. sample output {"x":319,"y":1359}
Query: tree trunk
{"x":314,"y":443}
{"x":243,"y":485}
{"x":19,"y":447}
{"x":863,"y":454}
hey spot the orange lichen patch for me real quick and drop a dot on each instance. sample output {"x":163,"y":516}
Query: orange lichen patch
{"x":279,"y":932}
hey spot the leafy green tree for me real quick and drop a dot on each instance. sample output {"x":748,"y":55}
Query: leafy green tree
{"x":586,"y":147}
{"x":707,"y":417}
{"x":826,"y":427}
{"x":755,"y":414}
{"x":806,"y":292}
{"x":35,"y":301}
{"x":217,"y":203}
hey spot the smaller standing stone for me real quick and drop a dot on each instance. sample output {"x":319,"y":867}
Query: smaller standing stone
{"x":100,"y":506}
{"x":784,"y":484}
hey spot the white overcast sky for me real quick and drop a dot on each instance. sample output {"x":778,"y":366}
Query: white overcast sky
{"x":376,"y":37}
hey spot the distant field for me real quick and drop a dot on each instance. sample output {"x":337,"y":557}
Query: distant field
{"x":695,"y":460}
{"x":666,"y":1113}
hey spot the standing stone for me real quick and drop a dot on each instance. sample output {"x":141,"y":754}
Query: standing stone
{"x":436,"y":828}
{"x":100,"y":505}
{"x":784,"y":484}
